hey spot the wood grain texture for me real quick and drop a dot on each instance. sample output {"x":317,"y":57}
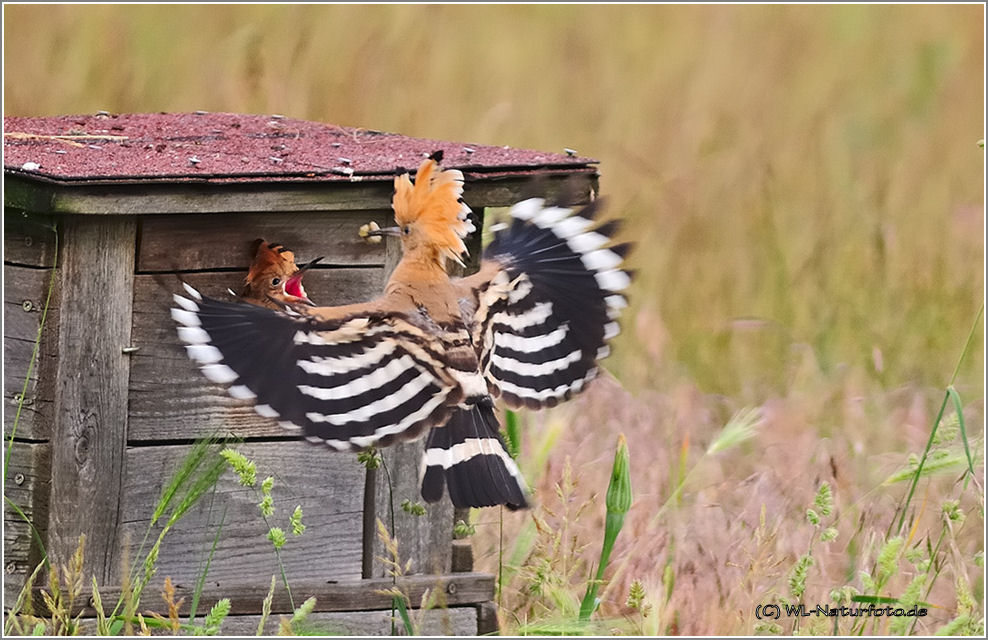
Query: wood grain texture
{"x":462,"y":559}
{"x":425,"y":540}
{"x":184,"y":242}
{"x":28,"y":239}
{"x":97,"y":272}
{"x":24,"y":293}
{"x":506,"y":191}
{"x":487,"y":623}
{"x":455,"y":590}
{"x":169,"y":398}
{"x":327,"y":485}
{"x":145,"y":198}
{"x":456,"y":621}
{"x":27,"y":486}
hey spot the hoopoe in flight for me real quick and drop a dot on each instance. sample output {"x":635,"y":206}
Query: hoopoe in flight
{"x":274,"y":280}
{"x":432,"y":352}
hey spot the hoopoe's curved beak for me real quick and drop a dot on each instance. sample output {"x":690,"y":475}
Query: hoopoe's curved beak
{"x":293,"y":285}
{"x":386,"y":231}
{"x":372,"y":232}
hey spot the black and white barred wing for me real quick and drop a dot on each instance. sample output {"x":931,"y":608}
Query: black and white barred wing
{"x":353,"y":383}
{"x":544,"y":318}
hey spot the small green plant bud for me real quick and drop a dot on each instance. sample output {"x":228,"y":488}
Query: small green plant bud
{"x":824,"y":500}
{"x":277,"y":537}
{"x":244,"y":468}
{"x":266,"y":505}
{"x":414,"y":508}
{"x":295,"y":520}
{"x":371,"y":459}
{"x":463,"y":530}
{"x":888,"y":558}
{"x":952,"y":510}
{"x":618,"y":498}
{"x":797,"y":579}
{"x":216,"y":615}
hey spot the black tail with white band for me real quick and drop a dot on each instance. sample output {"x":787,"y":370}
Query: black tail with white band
{"x":468,"y":456}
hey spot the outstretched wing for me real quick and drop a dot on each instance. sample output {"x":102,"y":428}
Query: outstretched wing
{"x":546,"y":301}
{"x":365,"y":378}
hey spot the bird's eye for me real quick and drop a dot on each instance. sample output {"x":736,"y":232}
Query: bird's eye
{"x":275,"y":282}
{"x":406,"y":230}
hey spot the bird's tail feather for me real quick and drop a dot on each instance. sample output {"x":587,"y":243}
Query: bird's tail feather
{"x":469,"y":457}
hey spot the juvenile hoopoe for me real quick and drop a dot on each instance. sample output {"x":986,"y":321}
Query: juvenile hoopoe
{"x":274,"y":280}
{"x":432,"y":352}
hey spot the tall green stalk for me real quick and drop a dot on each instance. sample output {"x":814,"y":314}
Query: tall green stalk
{"x":618,"y":502}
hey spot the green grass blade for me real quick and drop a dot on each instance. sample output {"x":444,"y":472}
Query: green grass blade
{"x":936,"y":423}
{"x":402,"y":609}
{"x":919,"y":468}
{"x":512,"y":432}
{"x":201,"y":580}
{"x":186,"y":468}
{"x":866,"y":599}
{"x":34,"y":532}
{"x":967,"y":344}
{"x":952,"y":392}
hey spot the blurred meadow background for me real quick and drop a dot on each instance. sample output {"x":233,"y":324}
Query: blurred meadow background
{"x":806,"y":189}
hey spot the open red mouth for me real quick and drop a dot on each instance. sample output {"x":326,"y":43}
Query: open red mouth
{"x":293,"y":286}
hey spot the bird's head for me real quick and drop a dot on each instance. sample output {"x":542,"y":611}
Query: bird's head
{"x":274,"y":276}
{"x":431,"y":215}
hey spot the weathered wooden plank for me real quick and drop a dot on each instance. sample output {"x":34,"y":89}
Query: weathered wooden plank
{"x":456,"y":621}
{"x":454,"y":590}
{"x":327,"y":485}
{"x":27,"y":486}
{"x":144,"y":199}
{"x":150,"y":198}
{"x":489,"y":191}
{"x":97,"y":271}
{"x":25,"y":195}
{"x":169,"y":398}
{"x":462,"y":559}
{"x":425,"y":540}
{"x":28,"y":238}
{"x":24,"y":294}
{"x":182,"y":242}
{"x":487,"y":623}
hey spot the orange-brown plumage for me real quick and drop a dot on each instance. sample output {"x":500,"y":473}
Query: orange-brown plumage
{"x":274,"y":280}
{"x":431,"y":215}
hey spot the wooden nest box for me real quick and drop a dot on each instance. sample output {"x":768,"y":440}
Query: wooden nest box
{"x":107,"y":213}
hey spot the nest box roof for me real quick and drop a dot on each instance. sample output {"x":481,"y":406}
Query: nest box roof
{"x":233,"y":148}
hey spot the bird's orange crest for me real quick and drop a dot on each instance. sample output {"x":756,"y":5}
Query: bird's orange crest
{"x":434,"y":207}
{"x":271,"y":258}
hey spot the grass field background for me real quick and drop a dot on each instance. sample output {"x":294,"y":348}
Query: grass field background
{"x":807,"y":194}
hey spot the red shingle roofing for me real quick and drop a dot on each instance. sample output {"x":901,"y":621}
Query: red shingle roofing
{"x":228,"y":147}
